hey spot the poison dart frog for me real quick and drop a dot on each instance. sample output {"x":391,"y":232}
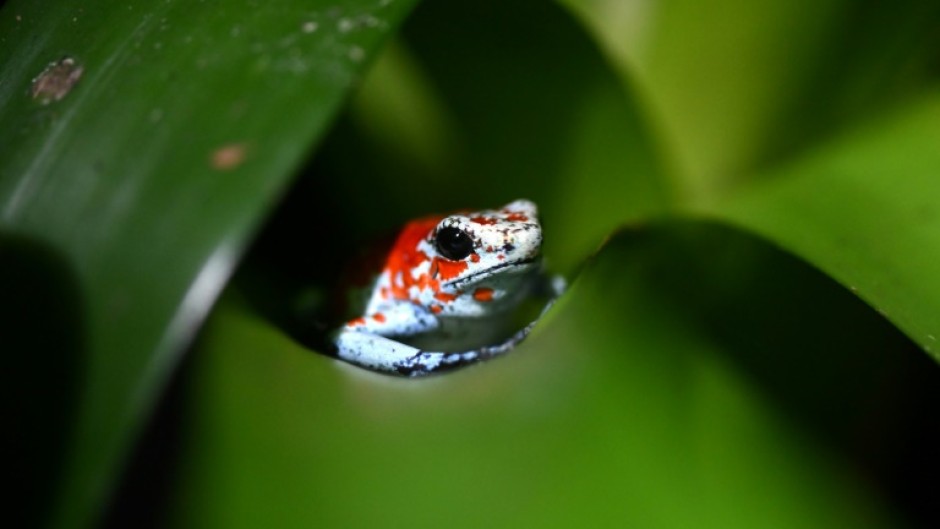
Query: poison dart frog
{"x":447,"y":291}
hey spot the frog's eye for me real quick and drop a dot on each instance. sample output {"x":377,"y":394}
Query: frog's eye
{"x":453,"y":243}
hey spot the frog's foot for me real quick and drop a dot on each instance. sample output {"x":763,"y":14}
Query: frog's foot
{"x":379,"y":353}
{"x":426,"y":363}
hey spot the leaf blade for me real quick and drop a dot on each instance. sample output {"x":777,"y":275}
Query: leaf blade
{"x":152,"y":171}
{"x":863,"y":210}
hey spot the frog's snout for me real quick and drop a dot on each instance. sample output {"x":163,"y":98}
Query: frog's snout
{"x":524,"y":207}
{"x":525,"y":243}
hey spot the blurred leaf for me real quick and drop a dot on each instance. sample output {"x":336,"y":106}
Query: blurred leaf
{"x":628,"y":407}
{"x":748,"y":88}
{"x":865,"y":210}
{"x":146,"y":177}
{"x":739,"y":85}
{"x":399,"y":108}
{"x":41,"y":325}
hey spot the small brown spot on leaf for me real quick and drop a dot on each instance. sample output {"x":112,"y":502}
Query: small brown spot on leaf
{"x":229,"y":156}
{"x":56,"y":81}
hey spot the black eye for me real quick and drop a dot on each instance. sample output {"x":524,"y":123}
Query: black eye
{"x":454,"y":244}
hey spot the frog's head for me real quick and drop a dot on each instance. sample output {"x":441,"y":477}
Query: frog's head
{"x":487,"y":254}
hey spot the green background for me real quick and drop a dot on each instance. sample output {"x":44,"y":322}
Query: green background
{"x":743,"y":196}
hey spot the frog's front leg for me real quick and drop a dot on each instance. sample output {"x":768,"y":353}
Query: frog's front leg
{"x":379,"y":353}
{"x":374,"y":351}
{"x":369,"y":342}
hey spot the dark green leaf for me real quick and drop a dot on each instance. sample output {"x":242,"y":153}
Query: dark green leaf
{"x":143,"y":159}
{"x":864,"y":209}
{"x":740,"y":85}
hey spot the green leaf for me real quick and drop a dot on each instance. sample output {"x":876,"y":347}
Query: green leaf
{"x":737,"y":85}
{"x":864,"y":210}
{"x":743,"y":101}
{"x":140,"y":165}
{"x":633,"y":404}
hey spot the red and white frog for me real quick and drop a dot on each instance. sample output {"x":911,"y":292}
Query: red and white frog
{"x":446,"y":293}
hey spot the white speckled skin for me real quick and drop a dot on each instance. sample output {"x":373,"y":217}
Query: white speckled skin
{"x":454,"y":304}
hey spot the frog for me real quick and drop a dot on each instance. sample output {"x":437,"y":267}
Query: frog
{"x":446,"y":293}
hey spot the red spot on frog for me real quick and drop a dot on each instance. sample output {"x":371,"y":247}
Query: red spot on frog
{"x":436,"y":309}
{"x":475,"y":258}
{"x":517,"y":217}
{"x":484,"y":220}
{"x":426,"y":282}
{"x":379,"y":317}
{"x":483,"y":294}
{"x":445,"y":297}
{"x":447,"y":269}
{"x":356,"y":322}
{"x":405,"y":256}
